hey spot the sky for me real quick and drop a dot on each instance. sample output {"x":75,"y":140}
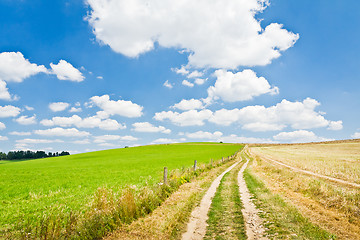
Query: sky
{"x":88,"y":75}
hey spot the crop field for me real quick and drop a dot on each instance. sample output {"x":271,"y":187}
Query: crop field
{"x":329,"y":205}
{"x":31,"y":189}
{"x":339,"y":160}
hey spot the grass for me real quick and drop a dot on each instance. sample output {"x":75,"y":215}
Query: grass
{"x":283,"y":220}
{"x":332,"y":206}
{"x":339,"y":160}
{"x":170,"y":220}
{"x":225,"y":217}
{"x":34,"y":191}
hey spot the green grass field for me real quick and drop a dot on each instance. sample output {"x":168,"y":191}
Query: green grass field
{"x":30,"y":188}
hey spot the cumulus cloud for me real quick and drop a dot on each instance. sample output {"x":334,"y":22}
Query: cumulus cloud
{"x":335,"y":125}
{"x":211,"y":32}
{"x":297,"y":115}
{"x":195,"y":74}
{"x":74,"y":109}
{"x":66,"y":71}
{"x":58,"y":106}
{"x":15,"y":68}
{"x":182,"y":70}
{"x":3,"y":138}
{"x":240,"y":86}
{"x":29,"y":108}
{"x":2,"y":126}
{"x":188,"y":118}
{"x":120,"y":107}
{"x":4,"y":92}
{"x":148,"y":127}
{"x":356,"y":135}
{"x":37,"y":141}
{"x":189,"y":104}
{"x":106,"y":138}
{"x":89,"y":122}
{"x":168,"y":84}
{"x":187,"y":83}
{"x":204,"y":135}
{"x":25,"y":120}
{"x":168,"y":140}
{"x":62,"y":132}
{"x":300,"y":136}
{"x":200,"y":81}
{"x":233,"y":138}
{"x":15,"y":133}
{"x":9,"y":111}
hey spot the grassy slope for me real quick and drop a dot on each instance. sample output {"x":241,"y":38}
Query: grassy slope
{"x":30,"y":187}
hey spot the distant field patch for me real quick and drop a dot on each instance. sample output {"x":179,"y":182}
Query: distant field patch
{"x":30,"y":188}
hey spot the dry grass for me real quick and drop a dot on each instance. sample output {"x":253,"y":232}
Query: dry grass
{"x":169,"y":220}
{"x":338,"y":160}
{"x":335,"y":208}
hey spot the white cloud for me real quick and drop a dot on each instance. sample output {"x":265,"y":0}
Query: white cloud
{"x":58,"y":106}
{"x":335,"y":125}
{"x":15,"y":68}
{"x":62,"y":132}
{"x":188,"y":118}
{"x":299,"y":136}
{"x":167,"y":140}
{"x":37,"y":141}
{"x":66,"y":71}
{"x":2,"y":126}
{"x":106,"y":138}
{"x":168,"y":84}
{"x":240,"y":86}
{"x":74,"y":109}
{"x":233,"y":138}
{"x":200,"y":81}
{"x":182,"y":70}
{"x":15,"y":133}
{"x":3,"y":138}
{"x":29,"y":108}
{"x":85,"y":141}
{"x":297,"y":115}
{"x":4,"y":92}
{"x":189,"y":104}
{"x":89,"y":122}
{"x":195,"y":74}
{"x":9,"y":111}
{"x":148,"y":127}
{"x":204,"y":135}
{"x":120,"y":107}
{"x":187,"y":83}
{"x":100,"y":77}
{"x":25,"y":120}
{"x":356,"y":135}
{"x":218,"y":34}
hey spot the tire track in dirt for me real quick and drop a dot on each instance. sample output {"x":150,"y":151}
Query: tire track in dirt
{"x":253,"y":223}
{"x":266,"y":158}
{"x":196,"y":228}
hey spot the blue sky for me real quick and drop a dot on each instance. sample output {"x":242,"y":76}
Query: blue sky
{"x":96,"y":74}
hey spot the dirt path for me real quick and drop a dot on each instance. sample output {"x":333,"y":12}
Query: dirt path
{"x":253,"y":223}
{"x":196,"y":227}
{"x":308,"y":172}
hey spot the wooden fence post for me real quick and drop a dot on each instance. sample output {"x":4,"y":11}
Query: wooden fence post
{"x":211,"y":162}
{"x":165,"y":175}
{"x":195,"y":165}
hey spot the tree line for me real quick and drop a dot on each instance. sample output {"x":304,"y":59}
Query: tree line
{"x":18,"y":155}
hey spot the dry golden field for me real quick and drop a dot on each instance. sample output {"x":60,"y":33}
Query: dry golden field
{"x":338,"y":160}
{"x":332,"y":206}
